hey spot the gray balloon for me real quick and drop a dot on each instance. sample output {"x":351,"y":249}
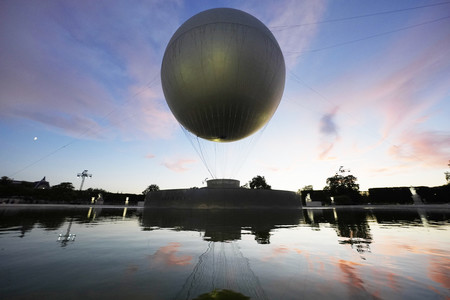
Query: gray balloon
{"x":223,"y":74}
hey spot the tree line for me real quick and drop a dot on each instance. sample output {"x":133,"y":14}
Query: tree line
{"x":64,"y":193}
{"x":341,"y":189}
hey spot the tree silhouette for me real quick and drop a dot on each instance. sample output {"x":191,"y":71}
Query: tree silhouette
{"x":259,"y":182}
{"x":151,"y":188}
{"x":5,"y":180}
{"x":447,"y":174}
{"x":341,"y":185}
{"x":68,"y":186}
{"x":344,"y":189}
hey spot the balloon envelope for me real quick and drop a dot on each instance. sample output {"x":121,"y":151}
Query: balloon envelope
{"x":223,"y":74}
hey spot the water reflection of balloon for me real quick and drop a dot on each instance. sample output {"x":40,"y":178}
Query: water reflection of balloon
{"x":223,"y":74}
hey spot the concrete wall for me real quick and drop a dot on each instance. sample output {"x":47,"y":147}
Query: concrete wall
{"x":216,"y":198}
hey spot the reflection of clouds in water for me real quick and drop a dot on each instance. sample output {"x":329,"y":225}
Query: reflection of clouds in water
{"x":163,"y":257}
{"x":131,"y":269}
{"x":167,"y":256}
{"x":276,"y":252}
{"x":383,"y":278}
{"x":435,"y":261}
{"x":439,"y":269}
{"x":315,"y":263}
{"x":282,"y":250}
{"x":374,"y":279}
{"x":368,"y":281}
{"x":350,"y":276}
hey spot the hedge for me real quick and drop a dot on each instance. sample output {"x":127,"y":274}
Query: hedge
{"x":434,"y":195}
{"x":393,"y":195}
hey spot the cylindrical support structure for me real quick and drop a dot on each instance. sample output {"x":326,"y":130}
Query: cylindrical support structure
{"x":222,"y":183}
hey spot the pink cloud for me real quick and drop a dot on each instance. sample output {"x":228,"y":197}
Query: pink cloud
{"x":179,"y":165}
{"x":400,"y":94}
{"x":427,"y":147}
{"x":150,"y":156}
{"x":396,"y":103}
{"x":380,"y":170}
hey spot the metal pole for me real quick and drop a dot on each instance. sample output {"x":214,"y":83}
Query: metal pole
{"x":82,"y":182}
{"x":83,"y":176}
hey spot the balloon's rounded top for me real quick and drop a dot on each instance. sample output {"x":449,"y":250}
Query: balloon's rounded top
{"x":222,"y":15}
{"x":223,"y":74}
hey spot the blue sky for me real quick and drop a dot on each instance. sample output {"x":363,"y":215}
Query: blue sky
{"x":367,"y":88}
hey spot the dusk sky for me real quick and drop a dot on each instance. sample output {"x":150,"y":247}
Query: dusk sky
{"x":367,"y":88}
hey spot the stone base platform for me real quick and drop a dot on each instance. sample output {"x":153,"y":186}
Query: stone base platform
{"x":223,"y":198}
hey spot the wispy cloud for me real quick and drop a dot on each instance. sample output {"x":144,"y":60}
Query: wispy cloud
{"x":77,"y":60}
{"x":280,"y":16}
{"x":399,"y":94}
{"x":75,"y":65}
{"x":179,"y":165}
{"x":395,"y":104}
{"x":275,"y":167}
{"x":328,"y":130}
{"x":327,"y":125}
{"x":75,"y":125}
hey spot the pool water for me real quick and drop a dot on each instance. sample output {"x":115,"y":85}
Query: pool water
{"x":135,"y":253}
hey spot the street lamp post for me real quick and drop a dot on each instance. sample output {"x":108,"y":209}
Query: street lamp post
{"x":83,"y":176}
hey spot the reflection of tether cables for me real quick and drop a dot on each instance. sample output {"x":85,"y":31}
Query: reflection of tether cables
{"x":229,"y":273}
{"x":88,"y":130}
{"x":259,"y":291}
{"x":283,"y":27}
{"x":192,"y":277}
{"x":299,"y":280}
{"x":367,"y":37}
